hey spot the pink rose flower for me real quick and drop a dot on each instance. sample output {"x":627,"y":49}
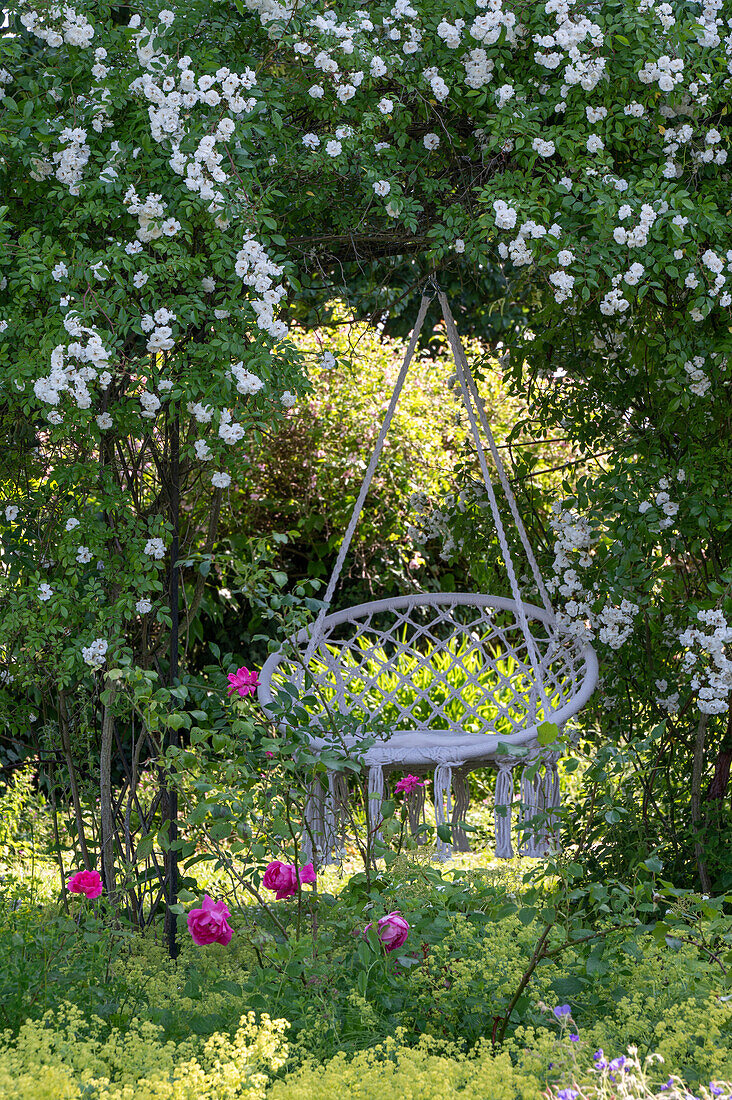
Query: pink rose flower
{"x":283,"y":878}
{"x":243,"y":681}
{"x":307,"y":874}
{"x":392,"y":930}
{"x":408,"y":784}
{"x":86,"y":882}
{"x":209,"y":923}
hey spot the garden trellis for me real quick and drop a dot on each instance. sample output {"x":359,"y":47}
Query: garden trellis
{"x":460,"y":679}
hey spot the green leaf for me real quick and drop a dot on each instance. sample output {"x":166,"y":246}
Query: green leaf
{"x":364,"y":954}
{"x":547,"y":733}
{"x":145,"y":846}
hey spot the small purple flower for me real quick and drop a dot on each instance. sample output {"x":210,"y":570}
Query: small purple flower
{"x":599,"y":1055}
{"x":617,"y":1063}
{"x":561,"y":1011}
{"x":568,"y":1094}
{"x":574,"y":1038}
{"x":716,"y":1090}
{"x":667,"y":1086}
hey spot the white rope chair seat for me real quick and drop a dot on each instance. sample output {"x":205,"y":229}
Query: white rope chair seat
{"x":448,"y":673}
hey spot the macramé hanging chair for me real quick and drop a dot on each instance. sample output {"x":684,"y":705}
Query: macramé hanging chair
{"x":455,"y":676}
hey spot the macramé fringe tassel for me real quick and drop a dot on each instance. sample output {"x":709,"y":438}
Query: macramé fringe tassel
{"x":461,"y":791}
{"x":375,"y":798}
{"x":503,"y":804}
{"x":443,"y":806}
{"x":415,"y":810}
{"x":541,"y":796}
{"x":312,"y":847}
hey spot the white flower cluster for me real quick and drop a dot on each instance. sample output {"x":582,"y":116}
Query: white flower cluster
{"x":150,"y":404}
{"x":149,"y":214}
{"x":613,"y":302}
{"x":543,"y":148}
{"x":700,"y":382}
{"x":713,"y":682}
{"x":229,"y":430}
{"x":613,"y":625}
{"x":72,"y":159}
{"x":478,"y":69}
{"x":171,"y":104}
{"x":451,"y":33}
{"x":669,"y":703}
{"x":67,"y":375}
{"x":255,"y":268}
{"x":667,"y":72}
{"x":585,"y":69}
{"x":431,"y":523}
{"x":202,"y":413}
{"x":564,"y":283}
{"x":94,"y":655}
{"x":161,"y":338}
{"x":662,"y":501}
{"x":155,"y":548}
{"x":70,"y":27}
{"x":637,"y":237}
{"x":634,"y":274}
{"x":616,"y":623}
{"x":440,"y":90}
{"x":487,"y":28}
{"x":505,"y":215}
{"x":246,"y":382}
{"x":517,"y":250}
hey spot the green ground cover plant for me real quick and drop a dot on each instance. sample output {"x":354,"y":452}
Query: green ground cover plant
{"x":511,"y":979}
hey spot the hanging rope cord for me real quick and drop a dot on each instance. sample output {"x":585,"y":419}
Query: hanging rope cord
{"x":468,"y":389}
{"x":462,"y":368}
{"x":358,"y":506}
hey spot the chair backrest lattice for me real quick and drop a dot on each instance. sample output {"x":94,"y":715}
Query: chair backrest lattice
{"x":442,"y":661}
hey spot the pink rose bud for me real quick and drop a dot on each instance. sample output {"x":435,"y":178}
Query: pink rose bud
{"x":282,"y":878}
{"x":209,"y":923}
{"x":88,"y":883}
{"x":408,"y":784}
{"x":392,"y":930}
{"x":243,"y":681}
